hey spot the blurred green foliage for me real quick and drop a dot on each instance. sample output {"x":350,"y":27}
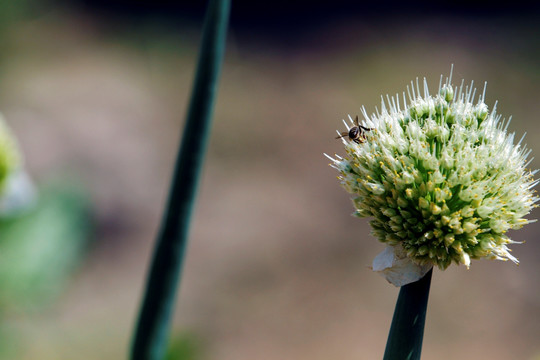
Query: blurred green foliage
{"x":12,"y":11}
{"x":40,"y":249}
{"x":184,"y":347}
{"x":8,"y":343}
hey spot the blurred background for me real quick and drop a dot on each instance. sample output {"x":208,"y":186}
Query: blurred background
{"x":96,"y":92}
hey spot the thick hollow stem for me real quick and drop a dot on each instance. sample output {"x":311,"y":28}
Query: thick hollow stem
{"x":407,"y":329}
{"x":151,"y":334}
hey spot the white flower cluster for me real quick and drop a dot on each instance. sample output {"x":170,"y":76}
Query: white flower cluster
{"x":17,"y":192}
{"x":10,"y":158}
{"x":440,"y":176}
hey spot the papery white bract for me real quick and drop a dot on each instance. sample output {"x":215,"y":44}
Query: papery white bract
{"x":440,"y":176}
{"x":397,"y":268}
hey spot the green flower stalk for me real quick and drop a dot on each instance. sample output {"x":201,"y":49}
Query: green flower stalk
{"x":441,"y":178}
{"x":152,"y":329}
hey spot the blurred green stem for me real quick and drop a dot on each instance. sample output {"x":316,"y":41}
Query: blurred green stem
{"x":407,"y":329}
{"x":151,"y":334}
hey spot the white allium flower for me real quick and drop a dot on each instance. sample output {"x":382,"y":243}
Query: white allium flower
{"x":10,"y":157}
{"x":440,"y":176}
{"x":17,"y":192}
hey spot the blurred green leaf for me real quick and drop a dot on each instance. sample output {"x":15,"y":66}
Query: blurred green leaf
{"x":38,"y":251}
{"x":183,"y":347}
{"x":9,"y":343}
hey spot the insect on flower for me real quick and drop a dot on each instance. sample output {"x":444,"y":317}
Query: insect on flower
{"x":356,"y":133}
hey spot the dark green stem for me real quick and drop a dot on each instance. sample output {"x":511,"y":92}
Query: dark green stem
{"x":152,"y":331}
{"x":407,"y":329}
